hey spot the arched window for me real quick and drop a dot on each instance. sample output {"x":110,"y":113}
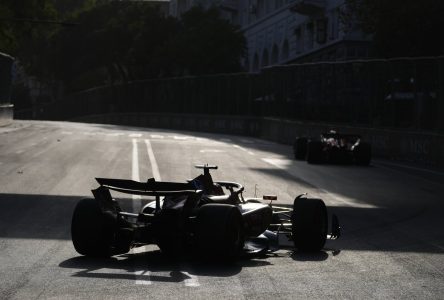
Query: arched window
{"x":255,"y":63}
{"x":285,"y":50}
{"x":265,"y":58}
{"x":275,"y":55}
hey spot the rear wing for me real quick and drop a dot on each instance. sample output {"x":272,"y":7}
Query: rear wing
{"x":149,"y":188}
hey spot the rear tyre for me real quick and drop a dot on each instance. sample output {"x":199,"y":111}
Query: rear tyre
{"x":219,"y":231}
{"x":314,"y":152}
{"x":363,"y":154}
{"x":171,"y":233}
{"x":309,"y":224}
{"x":93,"y":231}
{"x":300,"y":148}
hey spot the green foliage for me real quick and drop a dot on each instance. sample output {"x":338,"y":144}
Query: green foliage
{"x":400,"y":27}
{"x":15,"y":34}
{"x":208,"y":43}
{"x":118,"y":41}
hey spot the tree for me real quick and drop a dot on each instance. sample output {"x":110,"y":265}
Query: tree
{"x":209,"y":44}
{"x":117,"y":41}
{"x":21,"y":33}
{"x":121,"y":41}
{"x":400,"y":27}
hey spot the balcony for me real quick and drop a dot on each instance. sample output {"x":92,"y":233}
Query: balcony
{"x":308,"y":7}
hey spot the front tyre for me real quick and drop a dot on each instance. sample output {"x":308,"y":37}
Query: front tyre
{"x":363,"y":154}
{"x":309,"y":224}
{"x":314,"y":152}
{"x":300,"y":148}
{"x":92,"y":230}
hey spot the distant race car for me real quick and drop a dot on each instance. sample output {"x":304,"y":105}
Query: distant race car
{"x":333,"y":147}
{"x":197,"y":217}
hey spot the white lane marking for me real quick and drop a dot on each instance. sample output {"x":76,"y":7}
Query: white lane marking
{"x":182,"y":138}
{"x":136,"y":177}
{"x":211,"y":151}
{"x":66,"y":132}
{"x":243,"y":149}
{"x":154,"y":167}
{"x":135,"y":135}
{"x":143,"y":277}
{"x":157,"y":136}
{"x":193,"y":281}
{"x":286,"y":165}
{"x":114,"y":134}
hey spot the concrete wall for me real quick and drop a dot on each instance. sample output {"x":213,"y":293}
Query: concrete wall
{"x":6,"y":114}
{"x":6,"y":108}
{"x":426,"y":148}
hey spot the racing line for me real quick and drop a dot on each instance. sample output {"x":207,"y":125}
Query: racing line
{"x":143,"y":276}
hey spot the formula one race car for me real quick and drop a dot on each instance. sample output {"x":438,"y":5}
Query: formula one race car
{"x":333,"y":147}
{"x":197,"y":217}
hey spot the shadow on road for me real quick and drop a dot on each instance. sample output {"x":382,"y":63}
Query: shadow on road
{"x":124,"y":266}
{"x":48,"y":217}
{"x":317,"y":256}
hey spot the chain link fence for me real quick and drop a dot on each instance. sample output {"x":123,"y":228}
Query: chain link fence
{"x":397,"y":93}
{"x":404,"y":93}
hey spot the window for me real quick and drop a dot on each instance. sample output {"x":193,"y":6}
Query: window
{"x":265,"y":58}
{"x":256,"y":63}
{"x":285,"y":50}
{"x":275,"y":55}
{"x":321,"y":31}
{"x":334,"y":24}
{"x":310,"y":35}
{"x":298,"y":32}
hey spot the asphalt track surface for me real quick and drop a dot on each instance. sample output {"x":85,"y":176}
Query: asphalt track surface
{"x":392,"y":217}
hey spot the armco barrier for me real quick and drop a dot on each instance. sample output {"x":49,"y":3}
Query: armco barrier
{"x":426,"y":148}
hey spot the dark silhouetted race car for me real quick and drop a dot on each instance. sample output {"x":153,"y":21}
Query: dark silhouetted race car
{"x":199,"y":217}
{"x":333,"y":147}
